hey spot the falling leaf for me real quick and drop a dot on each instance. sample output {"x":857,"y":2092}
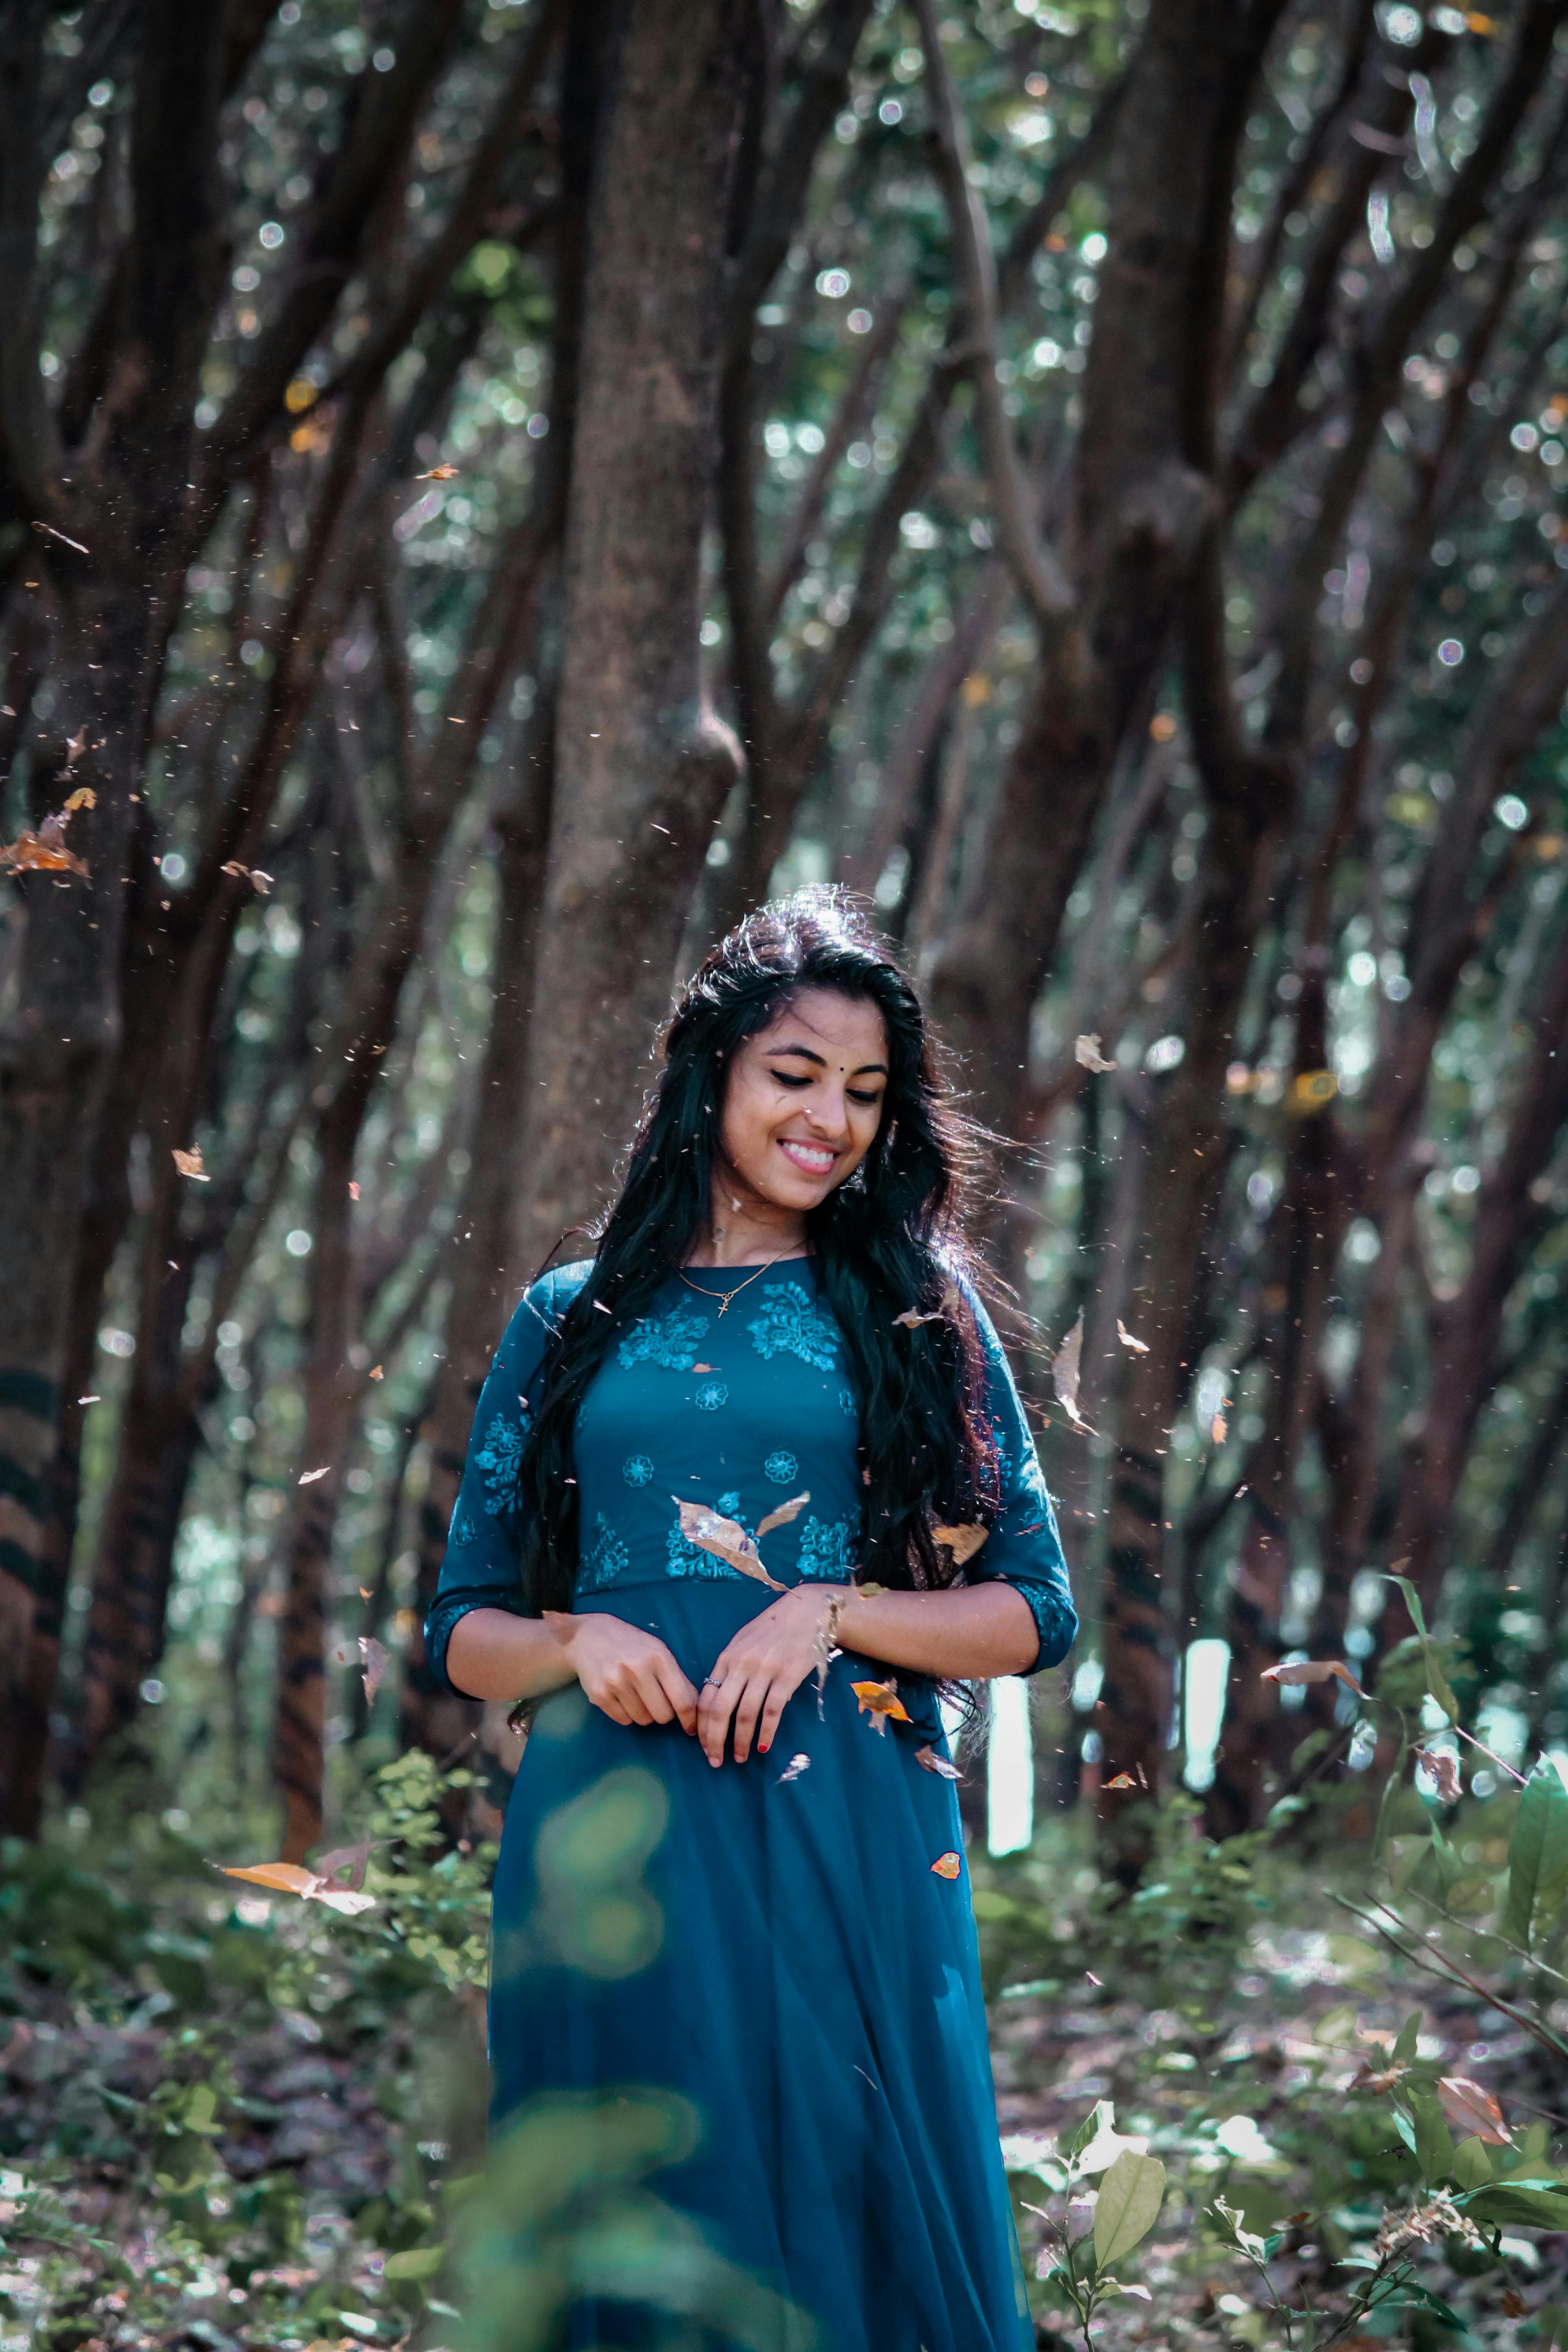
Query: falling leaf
{"x":1313,"y":1670}
{"x":1122,"y":1780}
{"x":364,"y":1592}
{"x":704,"y":1368}
{"x":439,"y":474}
{"x":1474,"y":2110}
{"x":962,"y":1542}
{"x":1065,"y":1367}
{"x":1313,"y":1090}
{"x":309,"y":1477}
{"x":726,"y":1539}
{"x":251,"y":874}
{"x":1087,"y":1053}
{"x":189,"y":1163}
{"x":354,"y":1191}
{"x":45,"y":852}
{"x":84,"y":796}
{"x":1217,"y":1428}
{"x":47,"y":530}
{"x":89,"y":1400}
{"x":289,"y":1878}
{"x":880,"y":1700}
{"x":951,"y":1301}
{"x":947,"y":1866}
{"x":1444,"y":1766}
{"x":375,"y":1664}
{"x":376,"y":1372}
{"x":1513,"y":2303}
{"x":781,"y":1516}
{"x":1134,"y":1347}
{"x":794,"y":1767}
{"x":932,"y":1762}
{"x":350,"y":1858}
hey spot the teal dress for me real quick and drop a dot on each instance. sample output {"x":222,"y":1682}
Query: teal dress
{"x":782,"y":1950}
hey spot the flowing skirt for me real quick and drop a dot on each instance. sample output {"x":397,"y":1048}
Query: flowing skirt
{"x":770,"y":2000}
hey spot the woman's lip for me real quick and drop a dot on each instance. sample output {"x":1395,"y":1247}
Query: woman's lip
{"x":822,"y":1156}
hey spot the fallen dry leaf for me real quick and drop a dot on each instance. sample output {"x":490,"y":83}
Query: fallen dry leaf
{"x":376,"y":1372}
{"x":45,"y":852}
{"x":350,"y":1858}
{"x":1444,"y":1766}
{"x":354,"y":1191}
{"x":962,"y":1542}
{"x":726,"y":1539}
{"x":1313,"y":1670}
{"x":1368,"y":2078}
{"x":880,"y":1700}
{"x":251,"y":874}
{"x":308,"y":1478}
{"x":1134,"y":1347}
{"x":1218,"y":1429}
{"x":1065,"y":1367}
{"x":947,"y":1866}
{"x":781,"y":1516}
{"x":47,"y":530}
{"x":704,"y":1368}
{"x":375,"y":1665}
{"x":289,"y":1878}
{"x":1087,"y":1053}
{"x":794,"y":1767}
{"x":1513,"y":2303}
{"x":1122,"y":1780}
{"x":952,"y":1299}
{"x":439,"y":474}
{"x":1474,"y":2110}
{"x":932,"y":1762}
{"x":189,"y":1163}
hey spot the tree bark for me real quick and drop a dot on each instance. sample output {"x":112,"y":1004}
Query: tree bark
{"x":642,"y":764}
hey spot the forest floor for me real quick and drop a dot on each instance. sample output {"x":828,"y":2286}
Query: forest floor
{"x":228,"y":2125}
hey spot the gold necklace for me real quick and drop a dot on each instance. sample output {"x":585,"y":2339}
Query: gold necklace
{"x":724,"y":1297}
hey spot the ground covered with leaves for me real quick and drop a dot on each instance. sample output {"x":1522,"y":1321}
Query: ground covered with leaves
{"x":1246,"y":2105}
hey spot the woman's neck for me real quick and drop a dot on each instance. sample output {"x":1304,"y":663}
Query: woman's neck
{"x":746,"y":1230}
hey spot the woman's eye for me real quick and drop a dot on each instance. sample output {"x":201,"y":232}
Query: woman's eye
{"x":871,"y":1100}
{"x":791,"y":1078}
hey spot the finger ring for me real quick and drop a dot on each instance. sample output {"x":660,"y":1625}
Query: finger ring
{"x":708,"y":1683}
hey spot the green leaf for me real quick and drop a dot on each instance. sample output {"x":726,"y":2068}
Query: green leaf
{"x":1551,"y":2323}
{"x":1437,"y":1680}
{"x":1409,"y":2035}
{"x":1472,"y":2165}
{"x":414,"y":2262}
{"x":1128,"y":2205}
{"x":1433,"y":2141}
{"x":1102,"y":2111}
{"x":1504,"y":2201}
{"x":1537,"y":1855}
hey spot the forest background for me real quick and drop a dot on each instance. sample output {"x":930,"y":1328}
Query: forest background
{"x":488,"y":493}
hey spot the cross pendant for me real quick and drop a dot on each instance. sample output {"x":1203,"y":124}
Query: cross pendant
{"x":724,"y":1299}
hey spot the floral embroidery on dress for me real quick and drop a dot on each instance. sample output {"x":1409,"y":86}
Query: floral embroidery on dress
{"x":790,"y":1322}
{"x":827,"y":1550}
{"x":729,"y":1505}
{"x":463,"y":1528}
{"x":782,"y":1468}
{"x":501,"y":1458}
{"x":603,"y":1559}
{"x":711,"y":1395}
{"x":846,"y":1401}
{"x":671,"y":1339}
{"x":637,"y":1470}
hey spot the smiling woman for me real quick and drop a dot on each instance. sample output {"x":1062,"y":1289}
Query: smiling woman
{"x":790,"y":1952}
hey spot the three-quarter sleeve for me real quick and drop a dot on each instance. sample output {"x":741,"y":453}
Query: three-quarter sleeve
{"x":1024,"y":1548}
{"x":484,"y":1542}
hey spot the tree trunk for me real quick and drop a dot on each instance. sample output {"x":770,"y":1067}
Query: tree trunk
{"x":643,"y":766}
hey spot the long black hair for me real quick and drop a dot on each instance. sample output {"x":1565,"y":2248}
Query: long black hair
{"x":888,"y":1240}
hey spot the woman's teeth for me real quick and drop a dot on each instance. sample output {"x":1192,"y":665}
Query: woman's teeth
{"x":812,"y":1157}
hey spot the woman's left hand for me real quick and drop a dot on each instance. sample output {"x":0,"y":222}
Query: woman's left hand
{"x":754,"y":1677}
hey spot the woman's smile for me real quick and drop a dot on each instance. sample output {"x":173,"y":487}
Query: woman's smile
{"x":813,"y":1158}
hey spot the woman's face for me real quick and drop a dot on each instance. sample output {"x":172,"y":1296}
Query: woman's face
{"x":805,"y":1100}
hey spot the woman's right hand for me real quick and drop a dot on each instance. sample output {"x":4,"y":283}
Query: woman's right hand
{"x":628,"y":1674}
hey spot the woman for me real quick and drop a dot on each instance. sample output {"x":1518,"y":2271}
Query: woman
{"x":744,"y":1490}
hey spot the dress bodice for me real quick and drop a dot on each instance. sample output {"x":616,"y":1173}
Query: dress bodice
{"x":737,"y":1409}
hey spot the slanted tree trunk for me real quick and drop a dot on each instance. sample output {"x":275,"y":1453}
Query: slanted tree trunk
{"x":642,"y":765}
